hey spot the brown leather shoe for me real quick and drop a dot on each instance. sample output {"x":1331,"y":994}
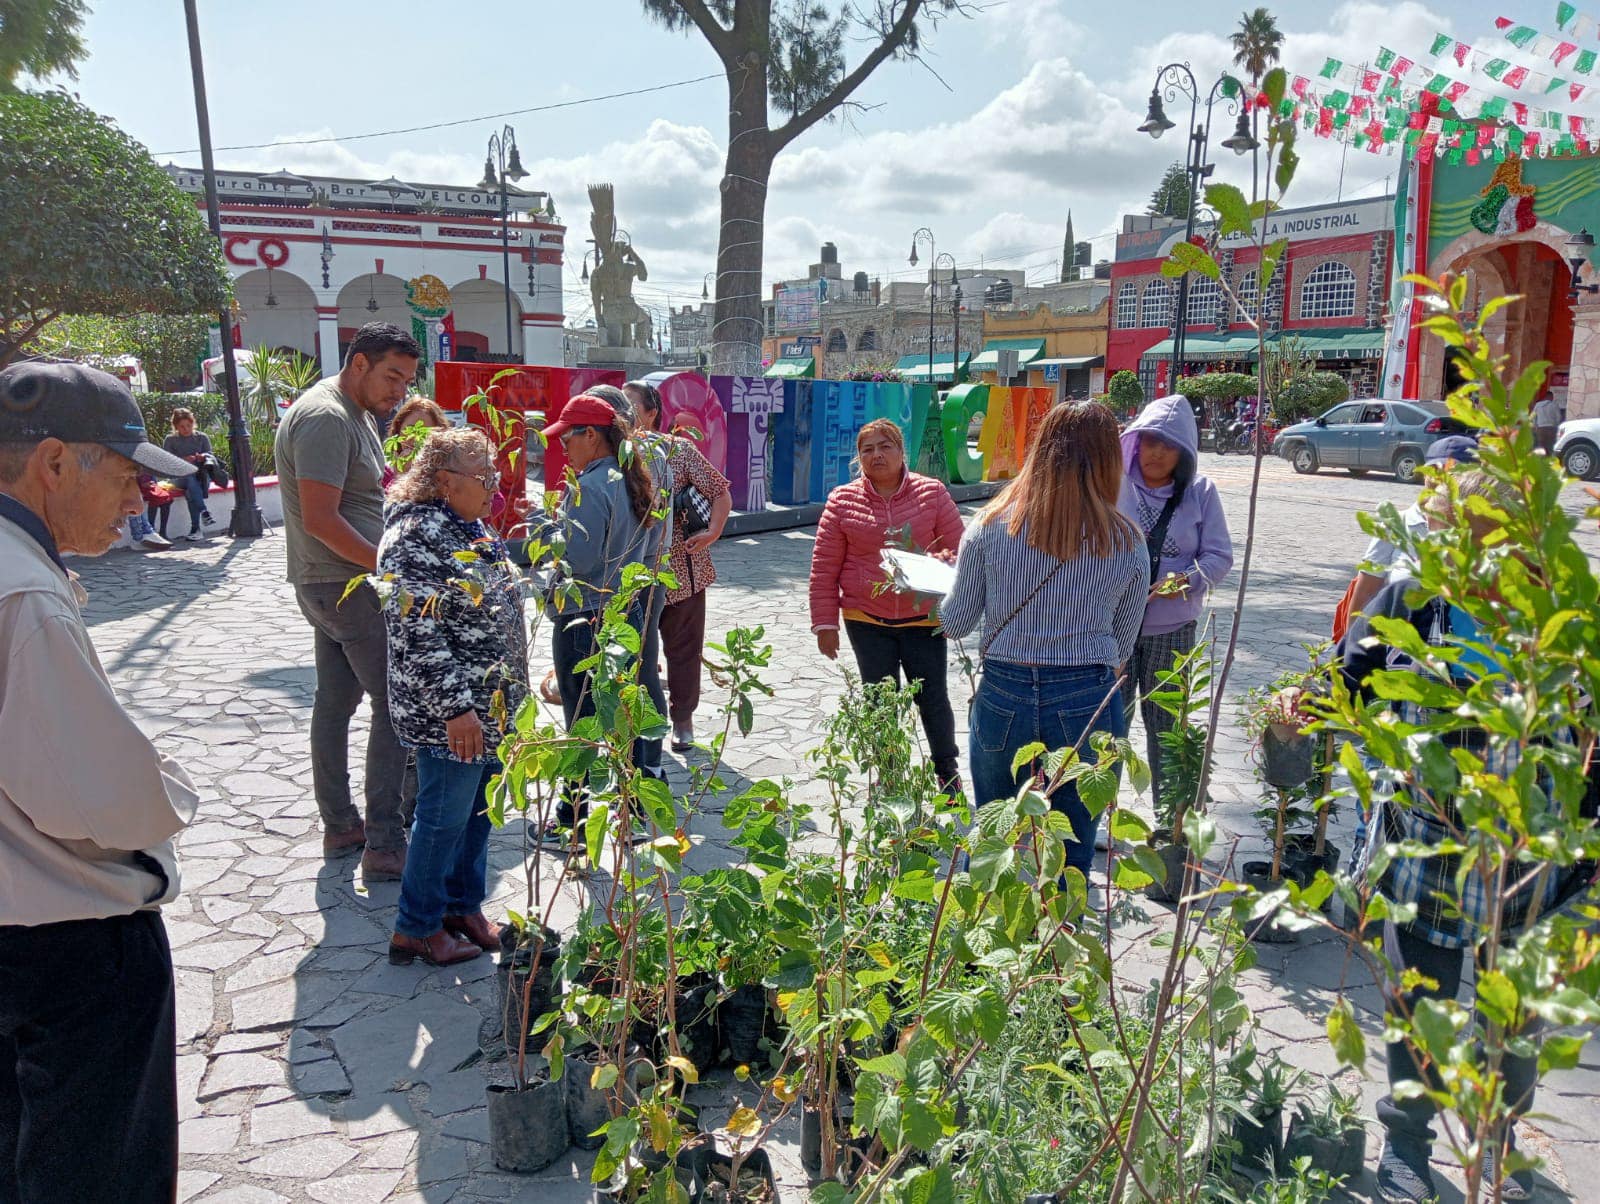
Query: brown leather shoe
{"x":440,"y":949}
{"x":476,"y":928}
{"x":351,"y":840}
{"x":383,"y":865}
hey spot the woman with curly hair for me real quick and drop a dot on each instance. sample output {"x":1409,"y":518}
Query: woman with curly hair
{"x":457,"y":664}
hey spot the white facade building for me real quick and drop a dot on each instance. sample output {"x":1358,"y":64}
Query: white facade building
{"x":314,"y":258}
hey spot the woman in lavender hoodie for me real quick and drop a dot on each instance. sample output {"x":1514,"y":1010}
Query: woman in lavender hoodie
{"x":1159,"y":458}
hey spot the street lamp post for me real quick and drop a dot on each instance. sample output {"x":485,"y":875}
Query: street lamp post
{"x":947,"y":260}
{"x":246,"y":521}
{"x":1175,"y":80}
{"x":922,"y":232}
{"x":502,"y":164}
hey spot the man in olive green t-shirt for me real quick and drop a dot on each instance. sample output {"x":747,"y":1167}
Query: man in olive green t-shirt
{"x":330,"y":476}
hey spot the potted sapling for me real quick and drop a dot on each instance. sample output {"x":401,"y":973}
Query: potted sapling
{"x":1184,"y":693}
{"x":1259,"y":1131}
{"x":1333,"y":1136}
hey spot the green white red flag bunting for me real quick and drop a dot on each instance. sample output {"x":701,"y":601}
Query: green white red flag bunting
{"x":1385,"y":89}
{"x":1575,"y":25}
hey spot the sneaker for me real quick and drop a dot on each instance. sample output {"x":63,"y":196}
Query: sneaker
{"x":1403,"y":1173}
{"x":558,"y":837}
{"x":1518,"y":1185}
{"x":154,"y":543}
{"x":196,"y":536}
{"x":206,"y":520}
{"x":682,"y":739}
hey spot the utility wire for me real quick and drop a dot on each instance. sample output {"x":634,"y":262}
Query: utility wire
{"x":440,"y":125}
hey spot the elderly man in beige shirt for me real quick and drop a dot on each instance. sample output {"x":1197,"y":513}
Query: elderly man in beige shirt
{"x":88,"y":809}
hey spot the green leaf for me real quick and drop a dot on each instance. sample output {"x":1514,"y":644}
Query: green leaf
{"x":1128,"y":876}
{"x":1026,"y":756}
{"x":1097,"y":786}
{"x":1191,"y":258}
{"x":1231,"y":207}
{"x":1199,"y":833}
{"x":1349,"y":1045}
{"x":1128,"y":825}
{"x":1273,"y":84}
{"x":1288,"y":162}
{"x":1497,"y":998}
{"x":890,"y":1065}
{"x":1271,"y":256}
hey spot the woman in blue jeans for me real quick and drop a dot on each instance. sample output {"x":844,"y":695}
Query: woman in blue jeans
{"x":458,"y":657}
{"x":1057,"y":577}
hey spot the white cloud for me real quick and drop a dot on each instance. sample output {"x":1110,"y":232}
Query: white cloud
{"x":1056,"y":132}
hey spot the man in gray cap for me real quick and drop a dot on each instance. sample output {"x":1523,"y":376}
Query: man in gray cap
{"x":88,"y":810}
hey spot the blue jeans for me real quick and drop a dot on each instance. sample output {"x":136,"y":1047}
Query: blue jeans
{"x":1020,"y":704}
{"x":194,"y":492}
{"x":448,"y":858}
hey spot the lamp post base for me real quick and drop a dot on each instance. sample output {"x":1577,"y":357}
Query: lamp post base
{"x":247,"y":523}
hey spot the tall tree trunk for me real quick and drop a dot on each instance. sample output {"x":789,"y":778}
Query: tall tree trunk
{"x":737,"y":328}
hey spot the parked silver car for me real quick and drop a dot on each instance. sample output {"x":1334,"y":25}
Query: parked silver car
{"x":1366,"y":435}
{"x":1578,"y":445}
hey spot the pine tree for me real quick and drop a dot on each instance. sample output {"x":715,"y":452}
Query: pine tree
{"x":1069,"y":254}
{"x":1171,"y":197}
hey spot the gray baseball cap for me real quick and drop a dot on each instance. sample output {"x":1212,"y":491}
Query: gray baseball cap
{"x":79,"y":404}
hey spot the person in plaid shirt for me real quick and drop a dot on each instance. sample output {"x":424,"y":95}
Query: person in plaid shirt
{"x":1436,"y":942}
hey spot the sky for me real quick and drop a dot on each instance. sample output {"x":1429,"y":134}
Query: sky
{"x":1023,"y":111}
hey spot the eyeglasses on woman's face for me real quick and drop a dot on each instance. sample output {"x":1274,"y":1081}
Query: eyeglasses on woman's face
{"x":489,"y":479}
{"x":571,"y":433}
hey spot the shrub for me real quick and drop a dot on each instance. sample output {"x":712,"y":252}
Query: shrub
{"x":210,"y":410}
{"x":1217,"y":386}
{"x":1124,"y":394}
{"x":1309,"y":394}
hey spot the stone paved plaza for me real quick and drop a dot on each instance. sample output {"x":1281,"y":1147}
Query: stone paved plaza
{"x":311,"y":1069}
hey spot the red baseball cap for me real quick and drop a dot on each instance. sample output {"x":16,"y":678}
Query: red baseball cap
{"x":582,"y":410}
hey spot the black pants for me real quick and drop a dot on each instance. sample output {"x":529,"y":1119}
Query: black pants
{"x":88,"y":1063}
{"x":1410,"y":1118}
{"x":572,"y":642}
{"x":883,"y":652}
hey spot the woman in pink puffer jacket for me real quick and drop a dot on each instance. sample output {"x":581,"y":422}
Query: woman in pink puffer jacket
{"x":887,"y":506}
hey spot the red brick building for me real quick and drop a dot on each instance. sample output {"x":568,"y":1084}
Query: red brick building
{"x":1330,"y":296}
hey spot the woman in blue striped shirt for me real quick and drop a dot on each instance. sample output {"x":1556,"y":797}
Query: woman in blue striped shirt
{"x":1058,"y":579}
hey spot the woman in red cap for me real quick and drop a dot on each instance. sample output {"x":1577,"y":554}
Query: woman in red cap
{"x":602,"y":520}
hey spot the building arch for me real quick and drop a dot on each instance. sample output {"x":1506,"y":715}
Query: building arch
{"x":1530,"y":264}
{"x":838,"y":341}
{"x":479,"y":307}
{"x":1155,"y":307}
{"x":867,"y":340}
{"x":1328,"y":291}
{"x":1249,"y":294}
{"x":371,"y":297}
{"x":277,"y":309}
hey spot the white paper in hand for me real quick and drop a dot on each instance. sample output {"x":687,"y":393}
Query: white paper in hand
{"x":914,"y":573}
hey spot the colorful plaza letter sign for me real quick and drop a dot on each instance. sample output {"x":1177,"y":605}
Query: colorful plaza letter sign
{"x":750,"y":403}
{"x":688,"y":402}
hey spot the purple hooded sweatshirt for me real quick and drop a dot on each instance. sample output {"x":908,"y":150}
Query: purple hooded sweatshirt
{"x":1197,"y":540}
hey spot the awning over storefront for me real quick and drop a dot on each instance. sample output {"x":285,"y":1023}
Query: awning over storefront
{"x":1072,"y":363}
{"x":915,"y":367}
{"x":1207,"y":347}
{"x":1361,"y":343}
{"x":1356,"y":343}
{"x":988,"y":359}
{"x":793,"y":366}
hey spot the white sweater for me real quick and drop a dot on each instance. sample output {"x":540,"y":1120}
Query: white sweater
{"x":88,"y":807}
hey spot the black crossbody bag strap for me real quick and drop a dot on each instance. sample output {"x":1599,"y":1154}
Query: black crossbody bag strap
{"x":1158,"y":533}
{"x":989,"y":639}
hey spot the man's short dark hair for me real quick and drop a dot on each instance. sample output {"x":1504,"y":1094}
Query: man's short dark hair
{"x":376,"y":339}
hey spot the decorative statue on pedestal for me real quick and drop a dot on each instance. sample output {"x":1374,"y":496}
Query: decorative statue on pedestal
{"x":622,"y":321}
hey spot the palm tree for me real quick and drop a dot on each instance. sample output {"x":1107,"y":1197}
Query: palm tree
{"x":1257,"y":45}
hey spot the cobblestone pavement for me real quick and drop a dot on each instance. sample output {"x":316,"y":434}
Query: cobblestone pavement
{"x":312,"y":1069}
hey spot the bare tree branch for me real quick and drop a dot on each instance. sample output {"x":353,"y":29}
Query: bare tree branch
{"x":714,"y":31}
{"x":892,"y":40}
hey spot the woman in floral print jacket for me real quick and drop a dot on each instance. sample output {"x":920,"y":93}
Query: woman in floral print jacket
{"x":458,"y":666}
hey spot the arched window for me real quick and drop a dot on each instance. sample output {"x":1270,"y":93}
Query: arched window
{"x":1249,"y":292}
{"x":1203,"y":294}
{"x":1155,"y":307}
{"x":867,"y":340}
{"x":837,"y":340}
{"x":1127,"y":306}
{"x":1328,"y":292}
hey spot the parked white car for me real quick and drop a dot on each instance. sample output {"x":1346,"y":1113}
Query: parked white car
{"x":1578,"y":447}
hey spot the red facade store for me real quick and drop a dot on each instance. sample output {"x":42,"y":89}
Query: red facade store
{"x":1331,"y":296}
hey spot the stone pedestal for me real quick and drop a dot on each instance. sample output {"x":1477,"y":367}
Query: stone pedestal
{"x":1583,"y":385}
{"x":635,"y":361}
